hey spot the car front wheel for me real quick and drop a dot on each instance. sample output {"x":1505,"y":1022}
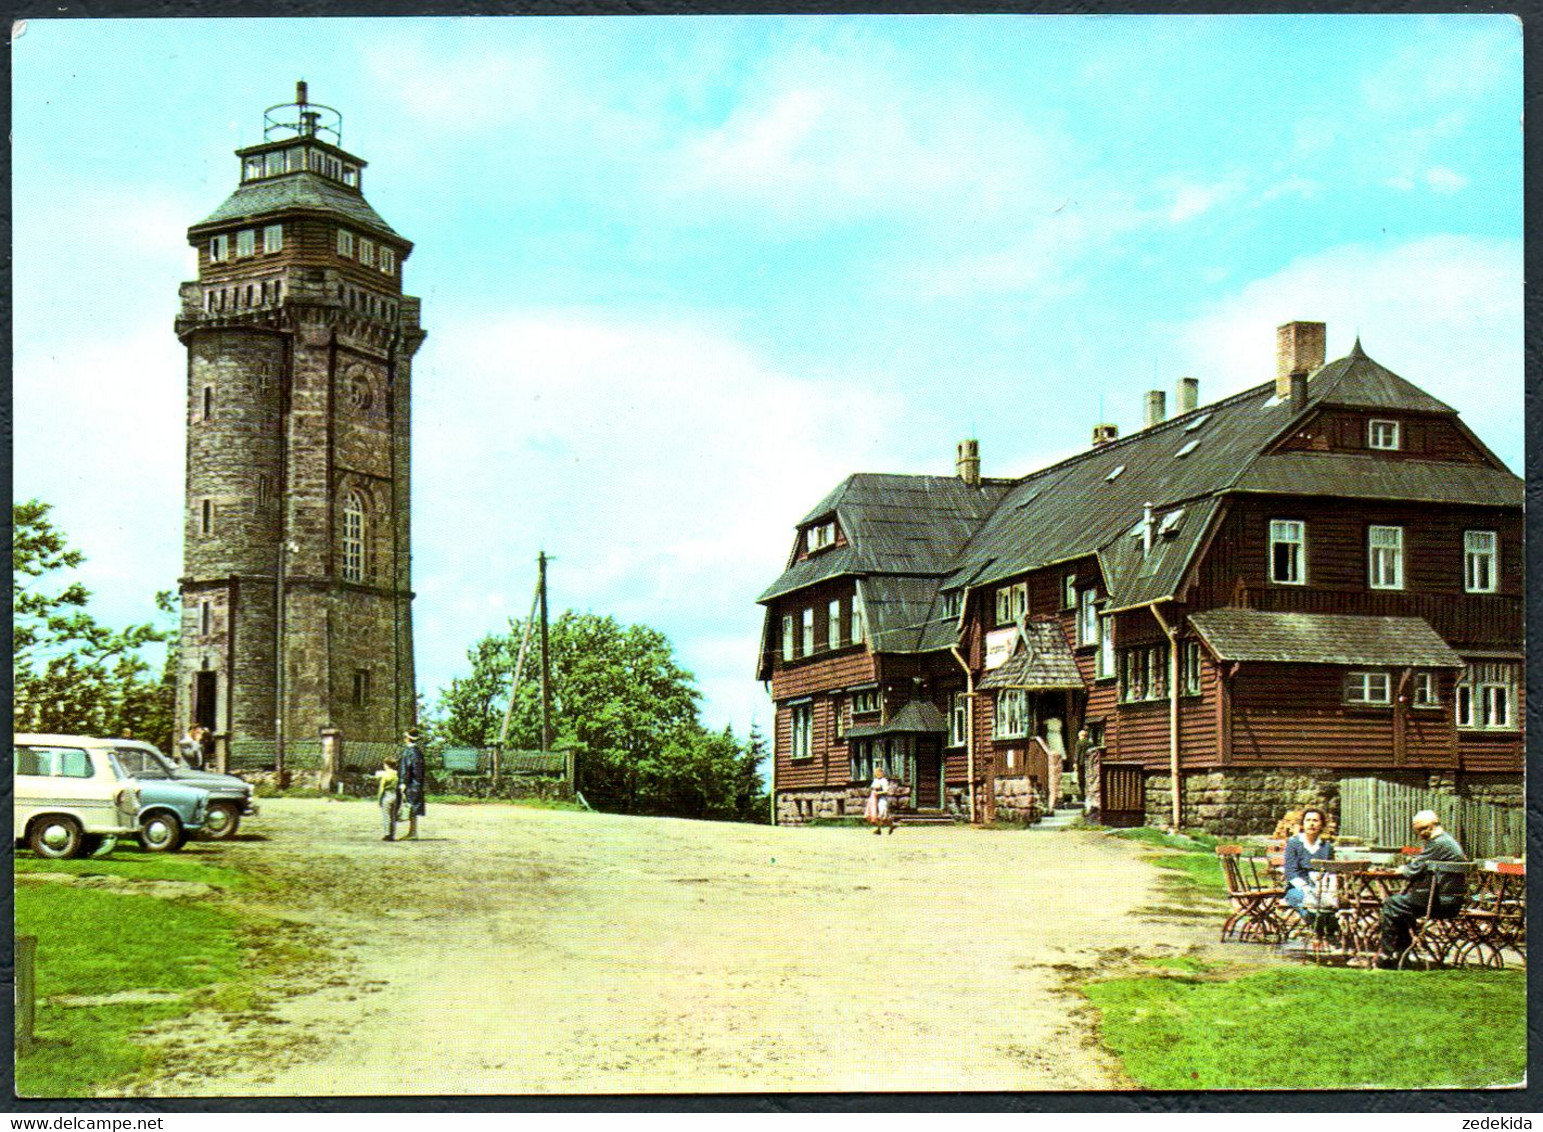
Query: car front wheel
{"x":224,"y":819}
{"x":56,"y":837}
{"x":160,"y":832}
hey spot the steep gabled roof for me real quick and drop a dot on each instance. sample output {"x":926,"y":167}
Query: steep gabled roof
{"x":1358,"y":382}
{"x":893,"y":524}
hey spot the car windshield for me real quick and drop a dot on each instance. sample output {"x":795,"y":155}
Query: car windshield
{"x":116,"y":766}
{"x":140,"y":763}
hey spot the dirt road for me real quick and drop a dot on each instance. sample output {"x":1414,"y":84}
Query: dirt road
{"x":519,"y":950}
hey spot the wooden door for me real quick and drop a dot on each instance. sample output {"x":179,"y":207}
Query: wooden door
{"x":929,"y":777}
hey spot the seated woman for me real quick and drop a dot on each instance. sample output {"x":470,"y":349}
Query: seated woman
{"x":1302,"y":888}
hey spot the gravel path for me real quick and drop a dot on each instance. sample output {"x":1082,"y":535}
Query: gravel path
{"x":518,"y":950}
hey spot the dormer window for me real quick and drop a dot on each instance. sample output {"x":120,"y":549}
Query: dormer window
{"x":953,"y":603}
{"x":1383,"y":435}
{"x":1012,"y":603}
{"x":820,"y":536}
{"x":275,"y":163}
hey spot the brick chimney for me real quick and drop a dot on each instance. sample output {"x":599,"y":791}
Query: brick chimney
{"x":968,"y":462}
{"x":1157,"y":408}
{"x":1186,"y":395}
{"x":1299,"y":348}
{"x":1105,"y":434}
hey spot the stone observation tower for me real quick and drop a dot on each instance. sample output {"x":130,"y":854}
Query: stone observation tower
{"x":296,"y":587}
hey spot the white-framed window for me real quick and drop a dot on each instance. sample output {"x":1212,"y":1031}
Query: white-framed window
{"x":1486,"y":697}
{"x":1383,"y":434}
{"x":206,"y":516}
{"x":787,"y":636}
{"x":1012,"y":603}
{"x":351,"y":176}
{"x":958,"y":718}
{"x":275,"y":163}
{"x":219,"y":249}
{"x":865,"y":701}
{"x":366,"y":252}
{"x":1087,"y":617}
{"x":803,"y":730}
{"x":353,"y":537}
{"x":246,"y":242}
{"x":1144,"y":673}
{"x":833,"y":625}
{"x":1011,"y":720}
{"x":1189,"y":669}
{"x":1288,"y":552}
{"x":388,"y":261}
{"x":1368,"y":687}
{"x":1424,"y":693}
{"x":953,"y":603}
{"x":1481,"y":561}
{"x":1069,"y":592}
{"x":273,"y":238}
{"x":859,"y":619}
{"x":345,"y":242}
{"x":1385,"y":558}
{"x":251,"y":168}
{"x":819,"y":536}
{"x":807,"y":643}
{"x":1106,"y":647}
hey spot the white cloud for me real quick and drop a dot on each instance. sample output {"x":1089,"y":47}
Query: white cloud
{"x":1444,"y":312}
{"x":1444,"y":180}
{"x":1192,"y":199}
{"x":664,"y":465}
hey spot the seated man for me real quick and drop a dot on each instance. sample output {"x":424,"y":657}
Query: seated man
{"x":1400,"y":911}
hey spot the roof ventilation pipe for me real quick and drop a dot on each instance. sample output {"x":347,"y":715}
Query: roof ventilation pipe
{"x":968,"y":462}
{"x":1146,"y":530}
{"x":1105,"y":434}
{"x":1157,"y":408}
{"x":1186,"y":395}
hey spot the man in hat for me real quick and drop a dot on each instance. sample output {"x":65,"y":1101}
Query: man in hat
{"x":411,"y":781}
{"x":1403,"y":909}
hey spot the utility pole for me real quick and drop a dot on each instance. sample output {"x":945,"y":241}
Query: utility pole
{"x":546,"y":664}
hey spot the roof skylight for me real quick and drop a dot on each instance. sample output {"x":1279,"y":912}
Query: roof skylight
{"x":1170,"y":523}
{"x":1189,"y":447}
{"x":1197,"y":422}
{"x":1115,"y":473}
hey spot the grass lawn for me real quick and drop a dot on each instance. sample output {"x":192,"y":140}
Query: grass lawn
{"x":111,"y":962}
{"x":1316,"y":1028}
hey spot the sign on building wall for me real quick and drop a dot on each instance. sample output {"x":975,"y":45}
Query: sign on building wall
{"x":999,"y":646}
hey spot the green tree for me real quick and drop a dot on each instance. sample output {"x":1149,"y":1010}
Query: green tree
{"x":620,"y":697}
{"x":71,"y":673}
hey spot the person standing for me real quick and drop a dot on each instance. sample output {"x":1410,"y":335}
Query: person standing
{"x":1441,"y":892}
{"x":205,"y":748}
{"x":411,"y":776}
{"x":190,"y":746}
{"x":876,"y":812}
{"x":388,"y":796}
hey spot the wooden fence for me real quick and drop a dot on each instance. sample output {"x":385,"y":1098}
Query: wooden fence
{"x":1379,"y":812}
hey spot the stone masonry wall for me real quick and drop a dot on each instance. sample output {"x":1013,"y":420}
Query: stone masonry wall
{"x":1018,"y":800}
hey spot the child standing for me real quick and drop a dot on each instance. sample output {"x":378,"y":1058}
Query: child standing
{"x":388,"y":797}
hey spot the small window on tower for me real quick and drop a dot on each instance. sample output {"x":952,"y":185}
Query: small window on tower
{"x":246,"y":242}
{"x":264,"y":492}
{"x":208,"y":402}
{"x":273,"y":238}
{"x":351,"y":176}
{"x":367,"y":252}
{"x":275,"y":164}
{"x":388,"y":261}
{"x":361,"y":687}
{"x":205,"y":619}
{"x":294,"y":160}
{"x":353,"y":537}
{"x":206,"y":516}
{"x":252,"y":169}
{"x":219,"y":249}
{"x":345,"y":243}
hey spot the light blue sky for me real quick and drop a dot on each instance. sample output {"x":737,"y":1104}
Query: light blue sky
{"x":681,"y":275}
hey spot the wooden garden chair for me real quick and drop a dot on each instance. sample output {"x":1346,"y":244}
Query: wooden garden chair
{"x":1255,"y":899}
{"x":1435,"y":937}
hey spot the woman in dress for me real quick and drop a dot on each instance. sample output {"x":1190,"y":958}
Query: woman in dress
{"x":876,"y":812}
{"x":1303,"y":891}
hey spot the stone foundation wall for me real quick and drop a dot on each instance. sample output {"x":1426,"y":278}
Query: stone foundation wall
{"x":797,"y":807}
{"x":1235,"y":803}
{"x":1018,"y":800}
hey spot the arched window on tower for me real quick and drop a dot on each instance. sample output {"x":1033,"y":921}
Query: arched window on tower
{"x":353,"y":537}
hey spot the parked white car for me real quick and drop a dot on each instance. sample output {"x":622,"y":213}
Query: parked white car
{"x":71,"y":795}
